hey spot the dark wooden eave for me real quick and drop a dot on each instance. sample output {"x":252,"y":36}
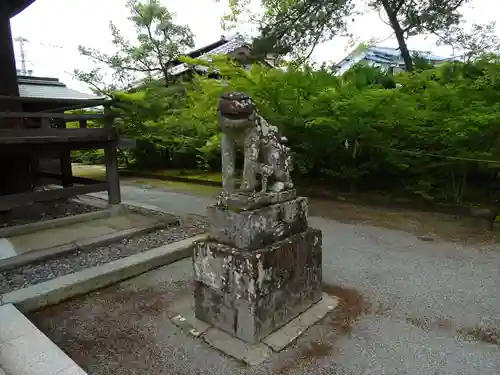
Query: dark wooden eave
{"x":54,"y":105}
{"x":16,"y":6}
{"x":201,"y":51}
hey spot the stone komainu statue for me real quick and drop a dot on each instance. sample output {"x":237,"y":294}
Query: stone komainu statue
{"x":265,"y":153}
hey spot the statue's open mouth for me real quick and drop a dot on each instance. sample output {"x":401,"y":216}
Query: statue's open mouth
{"x":236,"y":116}
{"x":236,"y":106}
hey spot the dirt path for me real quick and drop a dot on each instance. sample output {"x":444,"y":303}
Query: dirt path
{"x":182,"y":200}
{"x":428,"y":225}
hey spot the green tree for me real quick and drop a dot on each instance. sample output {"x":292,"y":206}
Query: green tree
{"x":360,"y":131}
{"x":160,"y":41}
{"x":417,"y":17}
{"x":479,"y":40}
{"x":300,"y":25}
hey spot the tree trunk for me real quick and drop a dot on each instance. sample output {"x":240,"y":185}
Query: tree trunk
{"x":398,"y":32}
{"x":166,"y":76}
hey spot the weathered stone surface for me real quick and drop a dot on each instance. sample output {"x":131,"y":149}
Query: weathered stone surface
{"x":265,"y":152}
{"x":257,"y":228}
{"x":276,"y":162}
{"x":188,"y":322}
{"x":251,"y":294}
{"x":252,"y":355}
{"x":262,"y":264}
{"x":249,"y":201}
{"x":281,"y":338}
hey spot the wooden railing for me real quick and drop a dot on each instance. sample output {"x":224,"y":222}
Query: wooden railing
{"x":66,"y":104}
{"x":42,"y":127}
{"x":64,"y":116}
{"x":47,"y":130}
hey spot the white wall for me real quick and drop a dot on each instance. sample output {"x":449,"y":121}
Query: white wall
{"x":353,"y":61}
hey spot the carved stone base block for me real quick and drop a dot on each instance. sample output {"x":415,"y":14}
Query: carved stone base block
{"x":253,"y":229}
{"x":246,"y":201}
{"x":250,"y":294}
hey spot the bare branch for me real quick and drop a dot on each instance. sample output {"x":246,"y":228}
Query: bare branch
{"x":381,"y":19}
{"x":313,"y":46}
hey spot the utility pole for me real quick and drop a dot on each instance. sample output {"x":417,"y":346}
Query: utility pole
{"x":21,"y":42}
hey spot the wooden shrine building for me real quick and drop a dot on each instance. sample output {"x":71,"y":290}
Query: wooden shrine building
{"x":35,"y":142}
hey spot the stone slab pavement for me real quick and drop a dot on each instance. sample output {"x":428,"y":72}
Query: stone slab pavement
{"x":24,"y":350}
{"x":175,"y":202}
{"x":435,"y":306}
{"x":251,"y":354}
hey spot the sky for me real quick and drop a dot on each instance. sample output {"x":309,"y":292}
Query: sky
{"x":55,"y":28}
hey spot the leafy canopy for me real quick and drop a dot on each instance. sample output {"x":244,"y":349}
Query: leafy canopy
{"x":360,"y":130}
{"x":300,"y":25}
{"x":471,"y":44}
{"x":160,"y":41}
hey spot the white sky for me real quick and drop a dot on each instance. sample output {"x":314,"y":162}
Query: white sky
{"x":55,"y":28}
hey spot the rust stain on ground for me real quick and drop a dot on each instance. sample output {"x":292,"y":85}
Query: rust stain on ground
{"x":108,"y":324}
{"x":418,"y":322}
{"x":444,"y":323}
{"x":352,"y":305}
{"x":307,"y":355}
{"x":113,"y":335}
{"x":315,"y":350}
{"x":145,"y":301}
{"x":482,"y":334}
{"x":148,"y":301}
{"x":427,"y":324}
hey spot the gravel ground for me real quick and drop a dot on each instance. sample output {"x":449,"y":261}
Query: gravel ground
{"x":409,"y":307}
{"x":67,"y":263}
{"x":125,"y":329}
{"x":44,"y":211}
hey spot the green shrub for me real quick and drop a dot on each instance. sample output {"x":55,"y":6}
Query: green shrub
{"x":411,"y":133}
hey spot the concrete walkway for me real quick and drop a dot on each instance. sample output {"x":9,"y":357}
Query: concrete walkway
{"x":24,"y":350}
{"x":175,"y":202}
{"x":435,"y":305}
{"x":38,"y":238}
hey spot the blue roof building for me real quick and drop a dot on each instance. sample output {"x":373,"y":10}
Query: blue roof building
{"x":383,"y":57}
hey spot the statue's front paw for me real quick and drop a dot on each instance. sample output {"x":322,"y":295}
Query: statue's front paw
{"x":278,"y":187}
{"x":246,"y":189}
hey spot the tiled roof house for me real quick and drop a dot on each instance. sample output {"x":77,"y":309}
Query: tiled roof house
{"x":45,"y":87}
{"x":231,"y":46}
{"x":236,"y":46}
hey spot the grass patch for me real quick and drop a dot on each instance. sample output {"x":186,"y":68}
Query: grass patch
{"x":188,"y":174}
{"x":97,"y":172}
{"x":183,"y":187}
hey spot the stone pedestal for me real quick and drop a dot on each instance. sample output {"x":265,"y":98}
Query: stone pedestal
{"x":261,"y":267}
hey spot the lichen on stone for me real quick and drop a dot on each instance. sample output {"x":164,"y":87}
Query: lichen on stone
{"x":265,"y":152}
